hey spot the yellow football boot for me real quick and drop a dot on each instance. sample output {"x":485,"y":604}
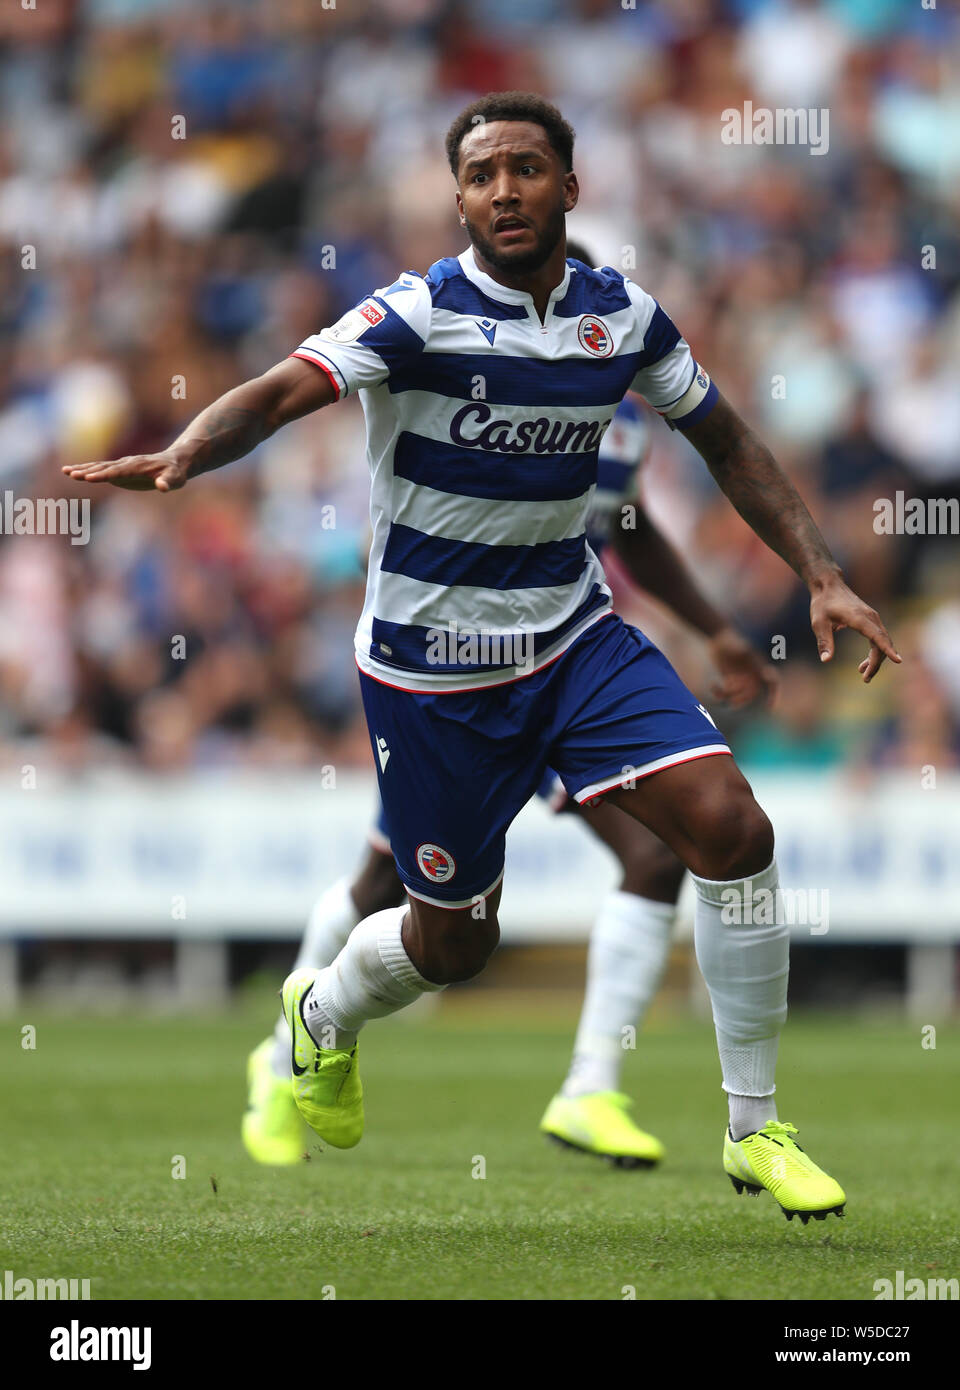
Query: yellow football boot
{"x":771,"y":1159}
{"x":326,"y":1083}
{"x":599,"y":1124}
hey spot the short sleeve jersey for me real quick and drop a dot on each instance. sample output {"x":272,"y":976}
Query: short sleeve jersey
{"x":485,"y":427}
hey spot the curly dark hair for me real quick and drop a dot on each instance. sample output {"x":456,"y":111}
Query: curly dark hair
{"x":512,"y":106}
{"x":576,"y":251}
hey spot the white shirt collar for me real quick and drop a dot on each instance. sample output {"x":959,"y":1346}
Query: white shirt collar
{"x":506,"y":295}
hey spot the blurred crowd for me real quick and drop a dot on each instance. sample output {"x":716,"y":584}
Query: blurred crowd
{"x":189,"y":190}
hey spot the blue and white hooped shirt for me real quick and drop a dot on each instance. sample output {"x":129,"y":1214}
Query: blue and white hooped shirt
{"x":484,"y":428}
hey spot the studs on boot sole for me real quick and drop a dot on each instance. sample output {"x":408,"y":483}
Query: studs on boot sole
{"x":740,"y":1186}
{"x":623,"y":1161}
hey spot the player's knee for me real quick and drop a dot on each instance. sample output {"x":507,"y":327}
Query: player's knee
{"x":737,"y":840}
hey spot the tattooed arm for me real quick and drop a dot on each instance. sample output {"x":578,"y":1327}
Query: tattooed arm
{"x":224,"y":432}
{"x":769,"y":503}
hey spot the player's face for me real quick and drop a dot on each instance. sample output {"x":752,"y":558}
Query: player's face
{"x":513,"y":194}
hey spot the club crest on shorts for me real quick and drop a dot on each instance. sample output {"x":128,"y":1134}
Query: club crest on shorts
{"x":436,"y":864}
{"x":595,"y":336}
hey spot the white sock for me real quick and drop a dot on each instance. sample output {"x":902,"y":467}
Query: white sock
{"x":628,"y":950}
{"x":750,"y":1113}
{"x":371,"y":977}
{"x":745,"y":963}
{"x":332,"y":918}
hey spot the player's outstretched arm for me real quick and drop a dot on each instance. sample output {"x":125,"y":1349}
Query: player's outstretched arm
{"x":656,"y":567}
{"x":224,"y":432}
{"x":769,"y":503}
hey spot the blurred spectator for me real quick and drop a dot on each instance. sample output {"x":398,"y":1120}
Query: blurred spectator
{"x":921,"y":733}
{"x":797,"y":734}
{"x":940,"y":646}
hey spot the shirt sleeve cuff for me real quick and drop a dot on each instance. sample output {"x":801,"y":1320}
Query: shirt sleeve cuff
{"x":311,"y":355}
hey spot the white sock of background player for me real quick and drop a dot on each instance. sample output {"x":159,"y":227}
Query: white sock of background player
{"x":745,"y":967}
{"x":628,"y":951}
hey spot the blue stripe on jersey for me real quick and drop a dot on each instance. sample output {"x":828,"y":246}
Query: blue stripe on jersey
{"x":592,"y":292}
{"x":407,"y":643}
{"x":501,"y":477}
{"x":660,"y":338}
{"x":518,"y":380}
{"x":459,"y":295}
{"x":436,"y":560}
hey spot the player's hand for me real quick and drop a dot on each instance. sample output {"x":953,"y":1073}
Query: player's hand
{"x":744,"y":676}
{"x":163,"y":472}
{"x":835,"y":607}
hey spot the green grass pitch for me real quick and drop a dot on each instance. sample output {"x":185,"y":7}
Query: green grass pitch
{"x":94,"y":1117}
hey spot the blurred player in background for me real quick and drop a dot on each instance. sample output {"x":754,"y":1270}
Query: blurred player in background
{"x":630,"y":938}
{"x":488,"y":648}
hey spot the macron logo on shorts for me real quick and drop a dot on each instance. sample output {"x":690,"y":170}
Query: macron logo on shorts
{"x":383,"y":752}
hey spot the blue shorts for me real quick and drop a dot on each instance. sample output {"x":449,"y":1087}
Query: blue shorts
{"x":455,"y":768}
{"x":551,"y":790}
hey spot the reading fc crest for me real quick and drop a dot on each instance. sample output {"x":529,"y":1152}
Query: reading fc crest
{"x":595,"y":336}
{"x":436,"y":864}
